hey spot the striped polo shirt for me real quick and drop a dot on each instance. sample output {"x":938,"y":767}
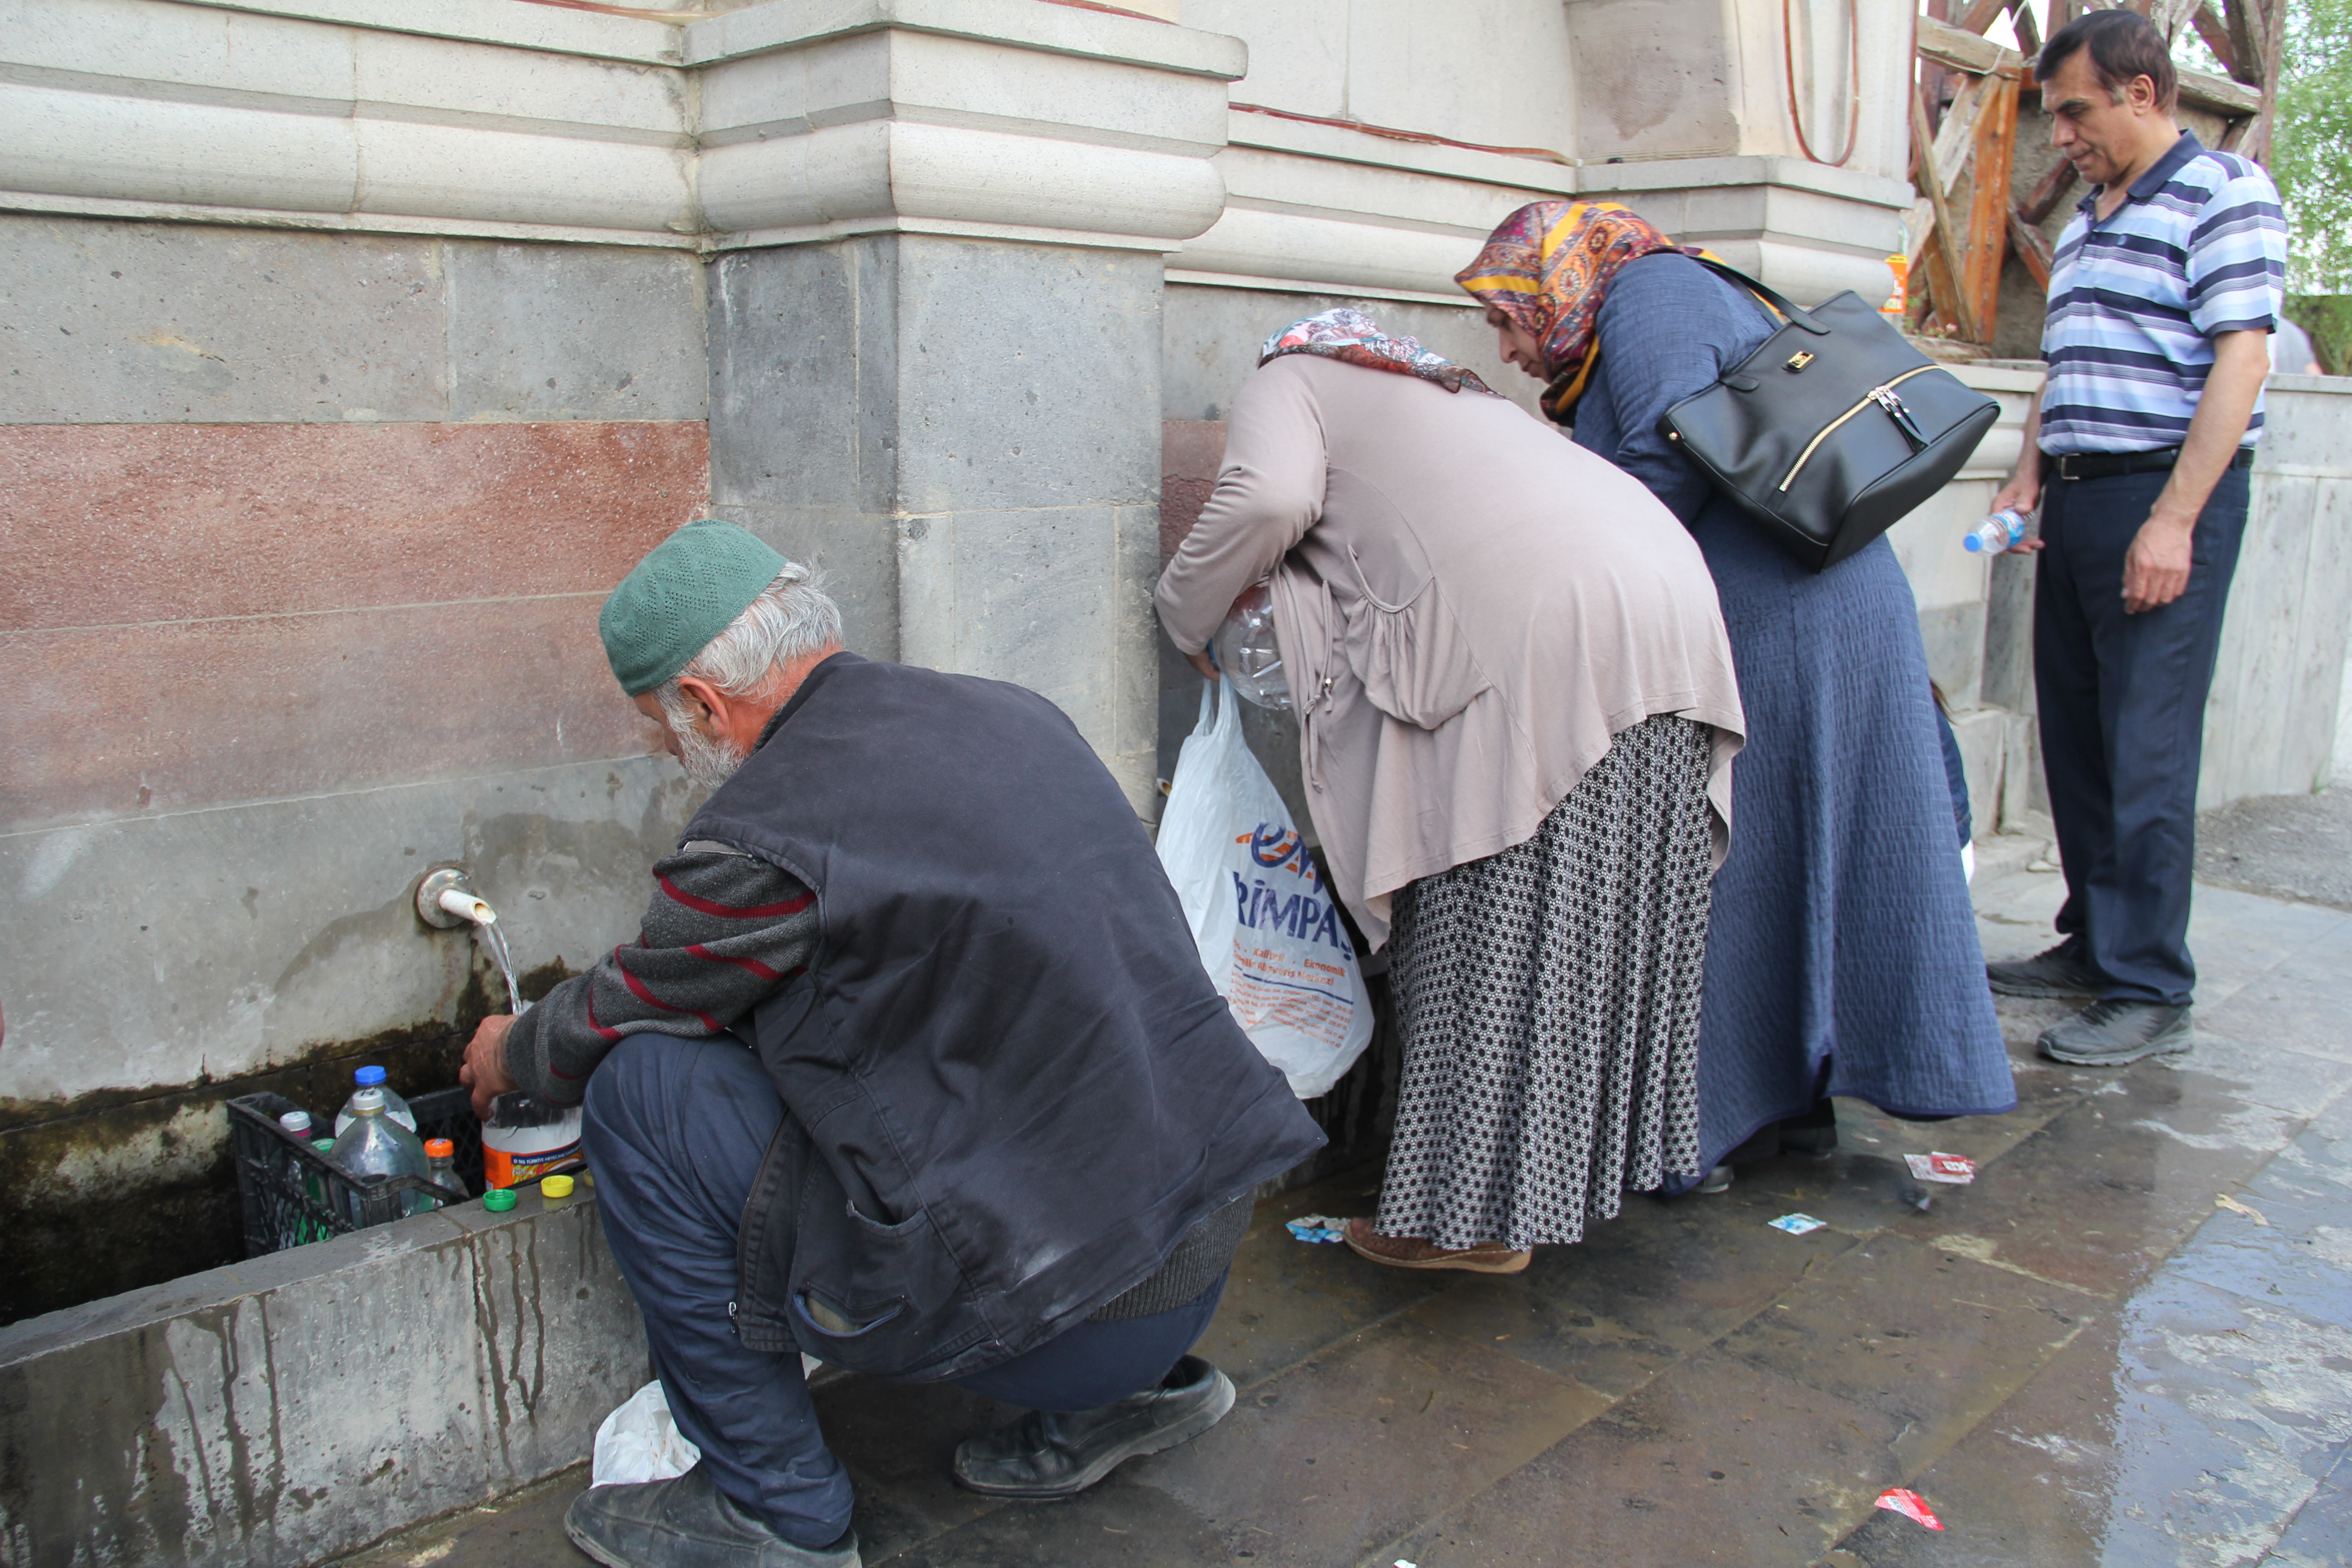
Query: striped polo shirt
{"x":2197,"y":249}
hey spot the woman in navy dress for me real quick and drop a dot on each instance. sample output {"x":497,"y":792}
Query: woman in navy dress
{"x":1841,"y":958}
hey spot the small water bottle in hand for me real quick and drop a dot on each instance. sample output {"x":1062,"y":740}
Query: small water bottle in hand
{"x":1996,"y":534}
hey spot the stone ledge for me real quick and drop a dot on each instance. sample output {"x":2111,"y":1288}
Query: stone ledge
{"x":1049,"y":29}
{"x":399,"y":1372}
{"x":341,"y":113}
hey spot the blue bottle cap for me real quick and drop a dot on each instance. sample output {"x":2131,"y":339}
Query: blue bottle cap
{"x":367,"y":1075}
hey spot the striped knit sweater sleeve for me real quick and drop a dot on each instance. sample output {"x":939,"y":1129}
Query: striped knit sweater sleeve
{"x":724,"y":929}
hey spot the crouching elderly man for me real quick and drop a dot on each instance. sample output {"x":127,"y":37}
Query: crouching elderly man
{"x":913,"y":1068}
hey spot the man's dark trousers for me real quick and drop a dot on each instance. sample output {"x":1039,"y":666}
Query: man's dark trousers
{"x":676,"y":1131}
{"x":2123,"y":722}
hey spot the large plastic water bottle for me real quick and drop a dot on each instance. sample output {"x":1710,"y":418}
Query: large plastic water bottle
{"x":376,"y":1145}
{"x":1246,"y":650}
{"x":393,"y":1106}
{"x":1996,"y":534}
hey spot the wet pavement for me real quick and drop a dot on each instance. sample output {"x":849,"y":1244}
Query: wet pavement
{"x":2128,"y":1342}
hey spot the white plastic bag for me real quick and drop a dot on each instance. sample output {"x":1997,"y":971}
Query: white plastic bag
{"x":1268,"y":930}
{"x":639,"y":1442}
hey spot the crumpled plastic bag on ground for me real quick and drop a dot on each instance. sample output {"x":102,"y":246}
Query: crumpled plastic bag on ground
{"x":639,"y":1442}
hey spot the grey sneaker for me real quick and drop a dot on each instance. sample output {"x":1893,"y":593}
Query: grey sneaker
{"x":1047,"y":1455}
{"x":687,"y":1522}
{"x":2115,"y":1032}
{"x":2060,"y":972}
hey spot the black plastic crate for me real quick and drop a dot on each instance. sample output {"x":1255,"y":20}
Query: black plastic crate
{"x":282,"y":1209}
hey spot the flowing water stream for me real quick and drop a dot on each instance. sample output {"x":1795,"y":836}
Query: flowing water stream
{"x":493,"y":938}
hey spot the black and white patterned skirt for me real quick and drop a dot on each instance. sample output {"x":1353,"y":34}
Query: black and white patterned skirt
{"x":1549,"y":998}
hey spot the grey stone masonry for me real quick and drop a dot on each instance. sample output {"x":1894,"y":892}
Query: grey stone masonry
{"x":113,"y":323}
{"x":964,"y":435}
{"x":292,"y":1408}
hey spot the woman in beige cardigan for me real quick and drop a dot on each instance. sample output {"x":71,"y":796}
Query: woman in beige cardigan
{"x":1517,"y":715}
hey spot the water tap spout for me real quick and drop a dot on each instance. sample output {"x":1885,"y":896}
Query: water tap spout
{"x":466,"y":906}
{"x":445,"y":899}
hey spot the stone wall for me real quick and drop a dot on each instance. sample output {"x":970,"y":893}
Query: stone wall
{"x":308,"y":535}
{"x":290,"y":1409}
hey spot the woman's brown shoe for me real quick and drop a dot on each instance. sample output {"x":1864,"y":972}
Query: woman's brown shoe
{"x":1412,"y":1252}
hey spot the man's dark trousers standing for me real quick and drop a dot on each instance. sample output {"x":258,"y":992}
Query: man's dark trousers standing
{"x":2122,"y":700}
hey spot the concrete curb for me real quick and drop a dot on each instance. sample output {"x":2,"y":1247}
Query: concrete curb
{"x":294,"y":1407}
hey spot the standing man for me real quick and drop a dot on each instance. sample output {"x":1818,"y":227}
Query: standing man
{"x":2162,"y":299}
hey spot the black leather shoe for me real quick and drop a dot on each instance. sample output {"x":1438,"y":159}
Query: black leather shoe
{"x":2060,"y":972}
{"x":687,"y":1522}
{"x":1053,"y":1454}
{"x":2115,"y":1032}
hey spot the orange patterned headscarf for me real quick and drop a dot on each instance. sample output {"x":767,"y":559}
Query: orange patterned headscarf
{"x":1547,"y":267}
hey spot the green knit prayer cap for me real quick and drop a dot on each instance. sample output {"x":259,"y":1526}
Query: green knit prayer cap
{"x":687,"y":589}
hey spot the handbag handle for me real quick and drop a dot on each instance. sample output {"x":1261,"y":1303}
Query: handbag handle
{"x":1766,"y":293}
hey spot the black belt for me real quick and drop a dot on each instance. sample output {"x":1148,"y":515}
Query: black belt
{"x":2108,"y":464}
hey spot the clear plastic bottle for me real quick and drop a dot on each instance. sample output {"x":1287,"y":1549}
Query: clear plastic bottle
{"x":1996,"y":534}
{"x":1246,"y":650}
{"x":393,"y":1106}
{"x":297,"y":1227}
{"x":376,"y":1145}
{"x":441,"y":1170}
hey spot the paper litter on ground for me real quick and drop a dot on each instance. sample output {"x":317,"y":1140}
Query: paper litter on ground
{"x":1910,"y":1505}
{"x":1957,"y":1169}
{"x":2235,"y":1207}
{"x":1796,"y":1224}
{"x":1317,"y":1228}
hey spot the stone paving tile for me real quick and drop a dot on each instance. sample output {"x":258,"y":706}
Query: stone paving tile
{"x":897,"y":1440}
{"x":1666,"y":1279}
{"x":2264,"y":1072}
{"x":2186,"y":1428}
{"x":1931,"y":1339}
{"x":2105,"y":1191}
{"x":1860,"y":1193}
{"x":1315,"y":1467}
{"x":1118,"y":1523}
{"x":1332,"y":1458}
{"x":523,"y":1530}
{"x":1286,"y":1299}
{"x":1718,"y":1460}
{"x":2307,"y":999}
{"x":2298,"y":1254}
{"x":2237,"y":938}
{"x":2014,"y":911}
{"x":2044,"y":1091}
{"x":2320,"y":1535}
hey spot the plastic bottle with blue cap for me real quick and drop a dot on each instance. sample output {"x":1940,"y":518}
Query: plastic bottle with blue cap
{"x":2001,"y":530}
{"x":393,"y":1106}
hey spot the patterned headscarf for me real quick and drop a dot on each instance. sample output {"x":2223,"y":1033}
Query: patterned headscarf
{"x":1547,"y":268}
{"x":1350,"y":334}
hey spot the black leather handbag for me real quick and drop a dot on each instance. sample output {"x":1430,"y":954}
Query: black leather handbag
{"x":1833,"y":430}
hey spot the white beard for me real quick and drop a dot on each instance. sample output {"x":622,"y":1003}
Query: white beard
{"x":707,"y":762}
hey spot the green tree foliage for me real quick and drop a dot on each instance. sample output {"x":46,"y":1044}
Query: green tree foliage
{"x":2311,"y":155}
{"x":2311,"y":159}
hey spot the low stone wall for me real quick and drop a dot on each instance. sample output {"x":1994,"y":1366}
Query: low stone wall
{"x":291,"y":1408}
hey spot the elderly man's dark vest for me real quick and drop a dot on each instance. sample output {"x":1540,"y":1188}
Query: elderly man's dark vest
{"x":1009,"y":1086}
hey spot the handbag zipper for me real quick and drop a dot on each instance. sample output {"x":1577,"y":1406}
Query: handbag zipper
{"x":1880,"y":395}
